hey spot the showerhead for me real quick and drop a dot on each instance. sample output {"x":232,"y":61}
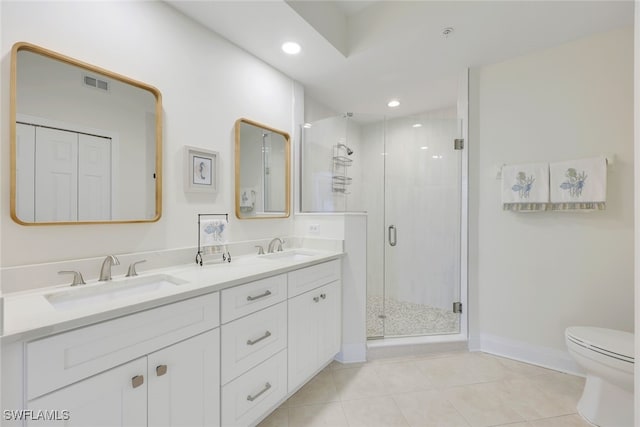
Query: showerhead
{"x":349,"y":150}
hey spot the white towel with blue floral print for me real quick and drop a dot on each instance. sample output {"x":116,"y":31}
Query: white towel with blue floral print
{"x":579,"y":184}
{"x":525,"y":187}
{"x":213,"y":232}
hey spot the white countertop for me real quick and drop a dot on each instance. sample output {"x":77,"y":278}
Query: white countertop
{"x":30,"y":315}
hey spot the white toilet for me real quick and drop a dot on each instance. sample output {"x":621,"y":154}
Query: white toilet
{"x":607,"y":356}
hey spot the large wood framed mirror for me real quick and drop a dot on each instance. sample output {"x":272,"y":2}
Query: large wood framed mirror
{"x":263,"y":171}
{"x":86,"y":143}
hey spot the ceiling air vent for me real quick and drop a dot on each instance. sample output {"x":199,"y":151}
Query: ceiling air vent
{"x":96,"y":83}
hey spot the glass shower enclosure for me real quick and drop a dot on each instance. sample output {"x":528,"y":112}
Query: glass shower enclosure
{"x":406,"y":173}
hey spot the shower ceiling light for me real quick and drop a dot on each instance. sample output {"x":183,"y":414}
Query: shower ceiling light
{"x":417,"y":125}
{"x":307,"y":125}
{"x":292,"y":48}
{"x":393,"y":103}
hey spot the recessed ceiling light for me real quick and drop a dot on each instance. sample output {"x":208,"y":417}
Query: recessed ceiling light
{"x":417,"y":125}
{"x":446,"y":32}
{"x":393,"y":103}
{"x":307,"y":125}
{"x":424,"y":148}
{"x":292,"y":48}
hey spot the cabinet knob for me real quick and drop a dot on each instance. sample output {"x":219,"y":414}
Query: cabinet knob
{"x":161,"y":370}
{"x":137,"y":381}
{"x":316,"y":299}
{"x":323,"y":296}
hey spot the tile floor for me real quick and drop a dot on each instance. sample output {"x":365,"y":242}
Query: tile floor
{"x":444,"y":390}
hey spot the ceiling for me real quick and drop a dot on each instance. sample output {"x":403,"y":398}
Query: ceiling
{"x":357,"y":55}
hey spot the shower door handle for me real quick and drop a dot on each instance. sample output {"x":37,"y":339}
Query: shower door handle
{"x":393,"y":235}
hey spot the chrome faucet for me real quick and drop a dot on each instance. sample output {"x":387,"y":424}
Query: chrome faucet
{"x":272,"y":243}
{"x":105,"y":271}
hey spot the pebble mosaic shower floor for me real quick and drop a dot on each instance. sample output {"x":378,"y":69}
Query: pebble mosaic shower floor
{"x":407,"y":318}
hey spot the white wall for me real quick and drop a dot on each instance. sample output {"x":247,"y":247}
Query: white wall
{"x":532,"y":275}
{"x":206,"y":84}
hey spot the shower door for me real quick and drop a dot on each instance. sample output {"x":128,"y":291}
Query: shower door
{"x":421,"y":240}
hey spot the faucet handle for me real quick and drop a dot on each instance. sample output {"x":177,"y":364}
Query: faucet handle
{"x":77,"y":277}
{"x":280,"y":243}
{"x":260,"y":250}
{"x":132,"y":268}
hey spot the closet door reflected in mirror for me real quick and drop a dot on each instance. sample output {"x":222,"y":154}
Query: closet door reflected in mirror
{"x":86,"y":143}
{"x":262,"y":171}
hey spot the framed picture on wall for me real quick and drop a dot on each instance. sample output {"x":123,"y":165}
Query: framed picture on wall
{"x":201,"y":170}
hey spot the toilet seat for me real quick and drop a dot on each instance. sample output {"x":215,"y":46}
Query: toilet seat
{"x":611,"y":343}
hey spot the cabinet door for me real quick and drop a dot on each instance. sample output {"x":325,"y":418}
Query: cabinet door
{"x":184,"y":383}
{"x":112,"y":398}
{"x":302,"y":337}
{"x":56,"y":175}
{"x":330,"y":322}
{"x":94,"y":178}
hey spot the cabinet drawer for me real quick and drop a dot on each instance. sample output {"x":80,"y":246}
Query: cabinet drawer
{"x":254,"y":296}
{"x":65,"y":358}
{"x":250,"y":396}
{"x":253,"y":339}
{"x":305,"y":279}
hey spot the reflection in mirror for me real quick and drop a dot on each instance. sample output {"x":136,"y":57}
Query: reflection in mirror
{"x":86,"y":142}
{"x":262,"y":171}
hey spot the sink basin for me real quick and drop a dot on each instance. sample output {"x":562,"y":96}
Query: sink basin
{"x":292,"y":255}
{"x":111,"y":291}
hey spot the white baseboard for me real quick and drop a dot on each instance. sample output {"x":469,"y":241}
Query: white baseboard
{"x":352,"y":353}
{"x":558,"y":360}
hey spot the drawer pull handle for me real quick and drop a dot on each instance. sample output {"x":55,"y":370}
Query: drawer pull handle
{"x":323,"y":296}
{"x":250,"y":398}
{"x":137,"y":381}
{"x":161,"y":370}
{"x":256,"y":341}
{"x":266,"y":294}
{"x":316,"y":299}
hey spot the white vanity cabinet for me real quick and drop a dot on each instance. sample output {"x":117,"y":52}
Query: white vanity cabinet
{"x":315,"y":319}
{"x":158,"y":367}
{"x":226,"y":358}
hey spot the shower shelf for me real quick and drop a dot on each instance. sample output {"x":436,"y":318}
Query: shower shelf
{"x":340,"y":190}
{"x":340,"y":180}
{"x":342,"y":160}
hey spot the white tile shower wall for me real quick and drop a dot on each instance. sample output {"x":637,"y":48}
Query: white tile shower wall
{"x":206,"y":83}
{"x":533,"y":275}
{"x":318,"y":150}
